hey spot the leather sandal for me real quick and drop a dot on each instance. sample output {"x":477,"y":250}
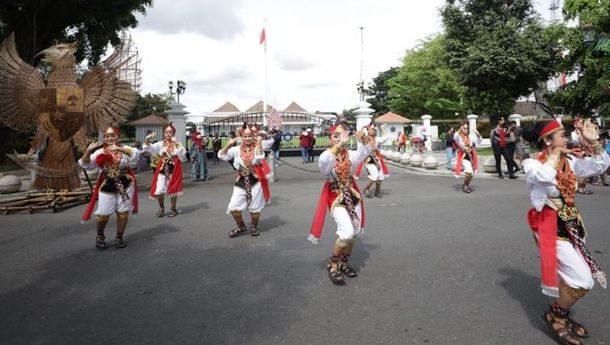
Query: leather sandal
{"x":160,"y":212}
{"x":577,"y":328}
{"x":119,"y":243}
{"x":335,"y":275}
{"x":254,"y":231}
{"x":173,"y":212}
{"x":236,"y":232}
{"x":561,"y":328}
{"x":100,"y":243}
{"x":348,"y":270}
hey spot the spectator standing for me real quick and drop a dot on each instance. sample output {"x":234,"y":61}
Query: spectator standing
{"x":304,"y":140}
{"x":216,"y":146}
{"x":275,"y":147}
{"x":312,"y":144}
{"x":499,"y":144}
{"x":450,"y":146}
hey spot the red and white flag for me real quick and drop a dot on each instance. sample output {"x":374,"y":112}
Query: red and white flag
{"x":274,"y":119}
{"x":263,"y":37}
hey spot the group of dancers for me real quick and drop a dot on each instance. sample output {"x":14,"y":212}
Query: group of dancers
{"x":568,"y":270}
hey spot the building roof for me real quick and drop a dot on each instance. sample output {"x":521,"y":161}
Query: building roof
{"x":258,"y":107}
{"x":228,"y":107}
{"x":294,"y":108}
{"x":152,"y":119}
{"x":390,"y":117}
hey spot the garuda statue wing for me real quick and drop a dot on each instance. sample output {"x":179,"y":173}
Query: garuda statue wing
{"x":20,"y":84}
{"x":109,"y":88}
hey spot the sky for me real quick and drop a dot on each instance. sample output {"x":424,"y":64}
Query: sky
{"x":313,"y":48}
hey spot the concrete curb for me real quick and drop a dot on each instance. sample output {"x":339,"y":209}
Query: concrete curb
{"x":442,"y":171}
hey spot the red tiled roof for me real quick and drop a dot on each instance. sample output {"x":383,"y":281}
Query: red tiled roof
{"x":295,"y":108}
{"x":149,"y":120}
{"x":228,"y":107}
{"x":258,"y":107}
{"x":390,"y":117}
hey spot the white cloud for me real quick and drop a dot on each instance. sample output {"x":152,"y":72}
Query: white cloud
{"x":313,"y":48}
{"x":212,"y":18}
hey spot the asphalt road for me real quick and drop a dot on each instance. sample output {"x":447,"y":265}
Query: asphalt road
{"x":437,"y":266}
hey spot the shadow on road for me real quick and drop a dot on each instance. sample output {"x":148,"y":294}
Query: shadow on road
{"x":155,"y":294}
{"x":524,"y":288}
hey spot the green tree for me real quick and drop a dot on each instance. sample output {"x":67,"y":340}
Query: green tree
{"x":498,"y":50}
{"x":92,"y":23}
{"x":150,"y":104}
{"x":146,"y":105}
{"x":424,"y":84}
{"x":379,"y":90}
{"x":590,"y":63}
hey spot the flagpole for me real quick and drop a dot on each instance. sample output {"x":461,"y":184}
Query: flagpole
{"x":266,"y":79}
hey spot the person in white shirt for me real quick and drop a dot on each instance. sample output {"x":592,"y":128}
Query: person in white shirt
{"x":567,"y":268}
{"x":341,"y":196}
{"x":375,"y":164}
{"x":167,"y":178}
{"x":467,"y":158}
{"x":115,"y":190}
{"x":251,"y":189}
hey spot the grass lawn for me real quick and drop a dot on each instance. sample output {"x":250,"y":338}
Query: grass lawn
{"x":485,"y":151}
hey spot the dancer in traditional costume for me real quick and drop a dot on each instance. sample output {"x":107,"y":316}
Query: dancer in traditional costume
{"x":167,"y":178}
{"x":115,"y":190}
{"x":568,"y":269}
{"x":467,"y":158}
{"x":341,"y":196}
{"x":251,"y":188}
{"x":375,"y":164}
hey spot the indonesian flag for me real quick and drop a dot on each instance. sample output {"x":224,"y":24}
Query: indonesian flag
{"x":262,"y":39}
{"x":274,"y":119}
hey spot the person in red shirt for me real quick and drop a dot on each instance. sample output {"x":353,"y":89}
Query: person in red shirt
{"x":304,"y":143}
{"x":499,"y":144}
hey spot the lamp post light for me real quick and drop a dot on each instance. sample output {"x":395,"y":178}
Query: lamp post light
{"x":180,"y":89}
{"x":588,"y":34}
{"x":360,"y":87}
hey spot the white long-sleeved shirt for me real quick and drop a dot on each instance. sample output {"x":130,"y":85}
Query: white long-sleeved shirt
{"x":235,"y":154}
{"x":159,"y":148}
{"x":125,"y":162}
{"x":327,"y":161}
{"x":382,"y":140}
{"x":541,"y":178}
{"x":474,"y":139}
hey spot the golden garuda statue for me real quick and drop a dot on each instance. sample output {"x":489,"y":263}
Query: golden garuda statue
{"x":61,"y":108}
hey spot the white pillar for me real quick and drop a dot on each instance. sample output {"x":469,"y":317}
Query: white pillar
{"x":177,"y":116}
{"x":559,"y":118}
{"x":363,"y":116}
{"x":428,"y":131}
{"x":472,"y":122}
{"x":516,"y":118}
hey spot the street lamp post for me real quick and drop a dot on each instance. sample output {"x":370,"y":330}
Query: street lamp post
{"x":180,"y":89}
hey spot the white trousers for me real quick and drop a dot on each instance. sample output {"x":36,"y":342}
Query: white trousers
{"x":109,"y":203}
{"x":162,"y":183}
{"x":238,"y":200}
{"x":572,"y":267}
{"x":467,"y":165}
{"x":345,"y":228}
{"x":375,"y":174}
